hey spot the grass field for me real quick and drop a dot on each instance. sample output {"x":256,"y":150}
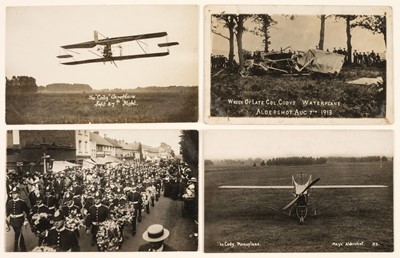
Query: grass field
{"x":363,"y":216}
{"x":172,"y":104}
{"x":356,"y":101}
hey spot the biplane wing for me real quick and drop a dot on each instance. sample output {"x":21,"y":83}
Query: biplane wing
{"x":116,"y":58}
{"x":291,"y":186}
{"x":116,"y":40}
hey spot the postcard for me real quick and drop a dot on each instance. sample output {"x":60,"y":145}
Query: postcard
{"x":298,"y":65}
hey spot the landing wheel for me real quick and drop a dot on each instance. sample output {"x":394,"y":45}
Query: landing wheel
{"x":301,"y":220}
{"x":315,"y":213}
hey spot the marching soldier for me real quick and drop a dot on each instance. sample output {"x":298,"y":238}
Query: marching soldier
{"x":16,"y":210}
{"x":50,"y":200}
{"x":135,"y":197}
{"x":42,"y":224}
{"x":71,"y":209}
{"x":97,"y":214}
{"x":61,"y":238}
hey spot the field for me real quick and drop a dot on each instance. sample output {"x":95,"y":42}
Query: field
{"x":281,"y":95}
{"x":172,"y":104}
{"x":360,"y":218}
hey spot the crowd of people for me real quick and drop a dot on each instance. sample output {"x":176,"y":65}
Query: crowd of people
{"x":218,"y":61}
{"x":359,"y":58}
{"x":101,"y":200}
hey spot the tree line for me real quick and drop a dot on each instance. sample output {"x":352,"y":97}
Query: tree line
{"x":67,"y":87}
{"x":27,"y":84}
{"x":21,"y":84}
{"x":263,"y":23}
{"x":296,"y":161}
{"x":291,"y":161}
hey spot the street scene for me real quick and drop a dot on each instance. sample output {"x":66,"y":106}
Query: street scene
{"x":102,"y":191}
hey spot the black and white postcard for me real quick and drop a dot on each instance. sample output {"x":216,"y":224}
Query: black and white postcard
{"x":101,"y":64}
{"x":101,"y":191}
{"x":298,"y":64}
{"x":298,"y":191}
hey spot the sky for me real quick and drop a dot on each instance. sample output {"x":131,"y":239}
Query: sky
{"x":233,"y":144}
{"x":302,"y":33}
{"x":34,"y":36}
{"x":151,"y":138}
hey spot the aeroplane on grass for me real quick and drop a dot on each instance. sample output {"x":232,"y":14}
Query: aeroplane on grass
{"x":311,"y":61}
{"x":301,"y":190}
{"x":104,"y":51}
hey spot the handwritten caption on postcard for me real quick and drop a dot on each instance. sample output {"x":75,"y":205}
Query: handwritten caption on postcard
{"x":113,"y":100}
{"x":288,"y":108}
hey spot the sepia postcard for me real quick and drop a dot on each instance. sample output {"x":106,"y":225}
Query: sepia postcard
{"x":298,"y":65}
{"x":101,"y":64}
{"x":101,"y":191}
{"x":298,"y":191}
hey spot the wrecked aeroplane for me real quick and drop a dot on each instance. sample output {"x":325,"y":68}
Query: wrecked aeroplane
{"x":313,"y":60}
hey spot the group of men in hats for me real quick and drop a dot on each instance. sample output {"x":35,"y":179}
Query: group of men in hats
{"x":91,"y":196}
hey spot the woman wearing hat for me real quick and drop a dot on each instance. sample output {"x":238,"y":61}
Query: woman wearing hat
{"x":155,"y":236}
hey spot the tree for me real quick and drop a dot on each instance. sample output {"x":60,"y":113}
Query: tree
{"x":374,"y":23}
{"x":21,"y":84}
{"x":208,"y":162}
{"x":235,"y":25}
{"x":322,"y":32}
{"x":264,"y":24}
{"x":228,"y":22}
{"x":350,"y":24}
{"x":189,"y":148}
{"x":240,"y":19}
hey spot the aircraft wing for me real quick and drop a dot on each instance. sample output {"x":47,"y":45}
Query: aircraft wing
{"x":116,"y":58}
{"x":88,"y":44}
{"x":116,"y":40}
{"x":291,"y":187}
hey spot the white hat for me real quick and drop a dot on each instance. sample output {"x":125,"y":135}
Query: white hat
{"x":155,"y":233}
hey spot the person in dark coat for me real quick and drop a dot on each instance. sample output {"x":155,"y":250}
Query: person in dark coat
{"x":16,"y":211}
{"x":155,"y":236}
{"x":41,"y":224}
{"x":97,"y":214}
{"x":61,"y":238}
{"x":50,"y":200}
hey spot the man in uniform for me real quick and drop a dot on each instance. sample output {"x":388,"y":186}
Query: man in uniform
{"x":97,"y":214}
{"x":135,"y":198}
{"x":50,"y":200}
{"x":16,"y":211}
{"x":61,"y":238}
{"x":41,"y":224}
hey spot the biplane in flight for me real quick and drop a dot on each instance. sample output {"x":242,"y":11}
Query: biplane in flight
{"x":301,"y":191}
{"x":103,"y":48}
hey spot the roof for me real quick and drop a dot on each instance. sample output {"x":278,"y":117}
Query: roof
{"x":100,"y":140}
{"x":131,"y":146}
{"x":113,"y":142}
{"x":149,"y":148}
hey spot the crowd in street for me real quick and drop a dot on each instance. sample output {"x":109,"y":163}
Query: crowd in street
{"x":102,"y":200}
